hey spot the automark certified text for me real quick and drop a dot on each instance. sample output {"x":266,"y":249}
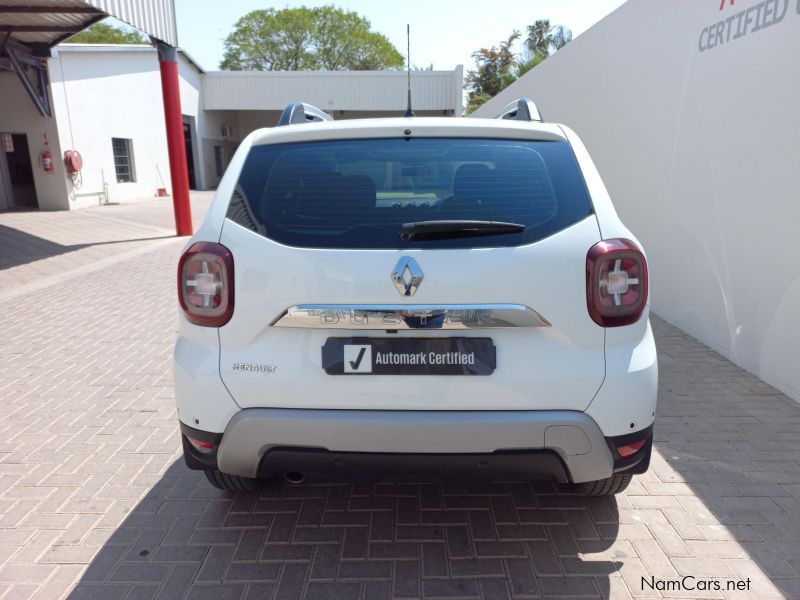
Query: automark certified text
{"x":425,"y":358}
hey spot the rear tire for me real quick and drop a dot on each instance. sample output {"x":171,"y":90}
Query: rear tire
{"x":604,"y":487}
{"x":230,"y":483}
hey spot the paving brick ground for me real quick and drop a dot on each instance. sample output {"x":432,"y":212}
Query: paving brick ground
{"x":39,"y":245}
{"x":95,"y":501}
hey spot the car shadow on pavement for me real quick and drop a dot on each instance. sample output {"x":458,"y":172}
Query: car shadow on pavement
{"x":18,"y":247}
{"x":725,"y":474}
{"x":336,"y":540}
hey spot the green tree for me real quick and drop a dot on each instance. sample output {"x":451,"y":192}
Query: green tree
{"x":519,"y":69}
{"x":492,"y":66}
{"x":498,"y":67}
{"x":295,"y":39}
{"x":103,"y":33}
{"x":545,"y":39}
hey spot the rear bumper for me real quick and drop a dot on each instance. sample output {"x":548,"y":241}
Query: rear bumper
{"x":562,"y":445}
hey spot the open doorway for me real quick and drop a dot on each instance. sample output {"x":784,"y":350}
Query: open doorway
{"x":17,"y":189}
{"x":187,"y":140}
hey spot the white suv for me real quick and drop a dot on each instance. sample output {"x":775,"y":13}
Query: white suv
{"x":415,"y":297}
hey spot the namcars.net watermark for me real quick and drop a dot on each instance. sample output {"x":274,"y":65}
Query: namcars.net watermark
{"x":690,"y":583}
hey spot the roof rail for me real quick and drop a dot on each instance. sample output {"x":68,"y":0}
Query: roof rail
{"x":300,"y":112}
{"x":523,"y":109}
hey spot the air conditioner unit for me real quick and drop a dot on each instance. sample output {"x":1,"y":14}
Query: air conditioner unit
{"x":226,"y":132}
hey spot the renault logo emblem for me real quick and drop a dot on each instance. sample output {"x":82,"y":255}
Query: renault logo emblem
{"x":407,"y":276}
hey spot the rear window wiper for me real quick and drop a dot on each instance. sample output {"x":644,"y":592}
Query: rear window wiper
{"x":456,"y":228}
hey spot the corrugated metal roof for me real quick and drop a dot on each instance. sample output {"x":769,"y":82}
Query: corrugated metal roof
{"x":154,"y":17}
{"x":45,"y":21}
{"x":332,"y":90}
{"x":49,"y":22}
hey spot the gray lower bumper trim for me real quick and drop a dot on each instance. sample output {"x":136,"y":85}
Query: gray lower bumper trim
{"x":514,"y":465}
{"x":573,"y":435}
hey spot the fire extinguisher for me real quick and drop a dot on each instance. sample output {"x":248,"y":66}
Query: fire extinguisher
{"x":46,"y":159}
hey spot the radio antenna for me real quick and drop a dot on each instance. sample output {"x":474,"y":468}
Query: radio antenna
{"x":409,"y":110}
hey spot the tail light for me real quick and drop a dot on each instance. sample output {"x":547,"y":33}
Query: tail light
{"x":616,"y":283}
{"x":205,"y":284}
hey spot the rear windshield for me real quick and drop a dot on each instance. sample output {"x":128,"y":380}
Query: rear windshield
{"x":359,"y":193}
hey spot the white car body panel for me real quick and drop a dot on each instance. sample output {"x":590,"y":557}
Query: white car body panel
{"x":202,"y":400}
{"x":437,"y":127}
{"x":609,"y":374}
{"x":561,"y":366}
{"x":626,"y":401}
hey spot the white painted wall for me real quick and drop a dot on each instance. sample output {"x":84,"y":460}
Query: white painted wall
{"x":207,"y":124}
{"x":102,"y":93}
{"x":700,"y":151}
{"x":18,"y":114}
{"x":228,"y":147}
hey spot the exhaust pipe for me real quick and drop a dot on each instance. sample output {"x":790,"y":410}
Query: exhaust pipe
{"x":294,"y":477}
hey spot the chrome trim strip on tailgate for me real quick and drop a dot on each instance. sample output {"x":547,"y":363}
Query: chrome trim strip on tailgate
{"x":410,"y":316}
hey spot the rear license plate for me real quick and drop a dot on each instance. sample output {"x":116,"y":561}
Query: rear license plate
{"x":409,"y":356}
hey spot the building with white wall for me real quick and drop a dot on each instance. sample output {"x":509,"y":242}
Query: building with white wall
{"x":23,"y":183}
{"x":690,"y":110}
{"x":107,"y":105}
{"x":31,"y":172}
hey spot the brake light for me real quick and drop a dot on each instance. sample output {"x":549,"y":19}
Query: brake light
{"x":631,"y":449}
{"x":205,"y":284}
{"x":616,"y":283}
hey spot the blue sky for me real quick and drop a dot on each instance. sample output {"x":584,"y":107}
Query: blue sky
{"x":443,"y":32}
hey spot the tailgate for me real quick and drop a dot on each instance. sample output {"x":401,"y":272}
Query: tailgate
{"x":556,"y":363}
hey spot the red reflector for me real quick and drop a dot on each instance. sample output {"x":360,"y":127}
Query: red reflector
{"x":631,"y":449}
{"x":200,"y":445}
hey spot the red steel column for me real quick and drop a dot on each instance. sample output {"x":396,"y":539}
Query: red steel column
{"x":168,"y":60}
